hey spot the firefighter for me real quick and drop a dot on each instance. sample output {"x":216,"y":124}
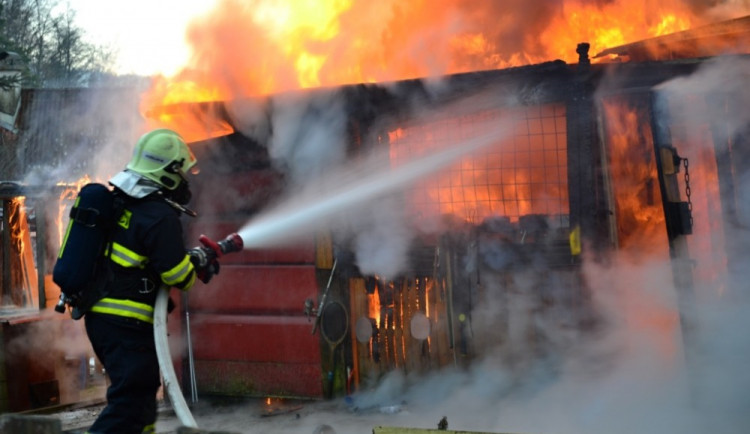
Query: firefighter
{"x":146,"y":251}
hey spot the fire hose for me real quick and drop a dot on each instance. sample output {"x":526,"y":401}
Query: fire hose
{"x":203,"y":256}
{"x":171,"y":384}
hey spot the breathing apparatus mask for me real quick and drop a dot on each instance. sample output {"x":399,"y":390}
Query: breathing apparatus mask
{"x":181,"y":193}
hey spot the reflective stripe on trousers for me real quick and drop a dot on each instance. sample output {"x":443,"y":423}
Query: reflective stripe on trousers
{"x":125,"y":308}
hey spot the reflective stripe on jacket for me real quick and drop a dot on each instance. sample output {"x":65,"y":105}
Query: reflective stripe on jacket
{"x":147,"y":251}
{"x":125,"y":257}
{"x":181,"y":275}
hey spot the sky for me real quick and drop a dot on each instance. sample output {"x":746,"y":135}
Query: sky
{"x":149,"y":35}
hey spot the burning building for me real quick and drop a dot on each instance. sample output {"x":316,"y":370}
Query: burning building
{"x":448,"y":221}
{"x":525,"y":205}
{"x":589,"y":159}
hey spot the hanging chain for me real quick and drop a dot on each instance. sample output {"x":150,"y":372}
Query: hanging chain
{"x":687,"y":188}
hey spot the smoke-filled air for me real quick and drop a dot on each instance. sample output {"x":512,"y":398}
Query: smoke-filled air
{"x":647,"y":364}
{"x":657,"y":361}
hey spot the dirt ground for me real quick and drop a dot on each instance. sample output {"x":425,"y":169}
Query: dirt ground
{"x":258,"y":416}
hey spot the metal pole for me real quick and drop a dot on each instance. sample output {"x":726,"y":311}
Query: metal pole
{"x":191,"y":360}
{"x":41,"y":250}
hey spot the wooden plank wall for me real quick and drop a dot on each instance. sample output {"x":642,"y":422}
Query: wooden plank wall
{"x":392,"y":344}
{"x":453,"y":340}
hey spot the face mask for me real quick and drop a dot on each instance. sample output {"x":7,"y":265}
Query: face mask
{"x":181,"y":194}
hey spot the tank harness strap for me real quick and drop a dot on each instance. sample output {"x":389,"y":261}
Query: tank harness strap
{"x":88,"y":217}
{"x":125,"y":308}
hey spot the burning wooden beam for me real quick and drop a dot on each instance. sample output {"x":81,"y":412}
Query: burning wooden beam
{"x":23,"y":279}
{"x":18,"y":262}
{"x":726,"y":37}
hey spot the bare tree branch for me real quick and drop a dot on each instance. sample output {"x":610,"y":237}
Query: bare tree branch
{"x":53,"y":44}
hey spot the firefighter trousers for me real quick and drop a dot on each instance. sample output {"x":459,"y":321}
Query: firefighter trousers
{"x":125,"y":347}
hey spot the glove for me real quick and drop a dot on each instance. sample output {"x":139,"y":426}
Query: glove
{"x":205,"y":274}
{"x":206,"y":265}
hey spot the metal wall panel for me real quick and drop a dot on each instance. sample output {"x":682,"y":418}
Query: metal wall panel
{"x":256,"y":290}
{"x":279,"y":339}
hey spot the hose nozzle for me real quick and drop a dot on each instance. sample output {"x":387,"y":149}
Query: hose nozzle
{"x":232,"y":243}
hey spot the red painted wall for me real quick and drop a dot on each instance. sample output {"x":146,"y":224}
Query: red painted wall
{"x":249,"y":333}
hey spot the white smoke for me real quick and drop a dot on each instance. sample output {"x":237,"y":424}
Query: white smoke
{"x":654,"y":359}
{"x":359,"y":200}
{"x":716,"y":78}
{"x":633,"y":371}
{"x":67,"y":136}
{"x":382,"y":238}
{"x":309,"y":134}
{"x":717,"y":95}
{"x":87,"y":133}
{"x":660,"y":360}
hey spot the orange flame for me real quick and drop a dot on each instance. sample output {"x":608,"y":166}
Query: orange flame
{"x":639,"y":211}
{"x":373,"y":307}
{"x":612,"y":24}
{"x":641,"y":229}
{"x":242,"y":50}
{"x":17,"y":230}
{"x":194,"y":122}
{"x":525,"y":174}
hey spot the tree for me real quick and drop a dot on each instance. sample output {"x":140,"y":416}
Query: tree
{"x":51,"y":42}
